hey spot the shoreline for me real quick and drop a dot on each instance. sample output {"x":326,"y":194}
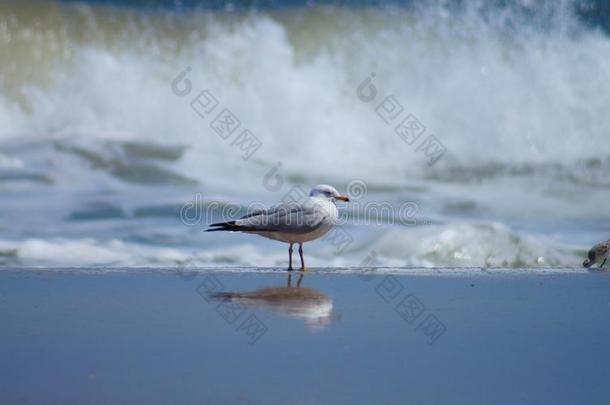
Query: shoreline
{"x":351,"y":270}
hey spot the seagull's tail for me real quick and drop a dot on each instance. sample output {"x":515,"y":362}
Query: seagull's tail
{"x":234,"y":227}
{"x":223,"y":226}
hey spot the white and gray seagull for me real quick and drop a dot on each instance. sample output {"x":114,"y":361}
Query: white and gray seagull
{"x":296,"y":222}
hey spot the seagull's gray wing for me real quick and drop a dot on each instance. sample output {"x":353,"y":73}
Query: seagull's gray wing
{"x":268,"y":211}
{"x":284,"y":218}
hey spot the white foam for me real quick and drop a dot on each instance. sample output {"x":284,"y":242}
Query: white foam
{"x":468,"y":245}
{"x":487,"y":96}
{"x":90,"y":252}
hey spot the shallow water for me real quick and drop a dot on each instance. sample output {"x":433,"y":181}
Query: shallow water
{"x":147,"y":336}
{"x":100,"y":149}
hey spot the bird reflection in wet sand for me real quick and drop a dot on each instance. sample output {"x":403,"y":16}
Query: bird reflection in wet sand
{"x":307,"y":304}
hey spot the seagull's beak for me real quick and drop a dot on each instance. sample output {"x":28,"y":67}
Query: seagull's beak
{"x":342,"y":198}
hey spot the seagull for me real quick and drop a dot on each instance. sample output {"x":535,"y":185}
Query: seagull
{"x":295,"y":222}
{"x":597,"y":253}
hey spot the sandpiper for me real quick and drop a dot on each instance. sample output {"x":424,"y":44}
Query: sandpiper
{"x":598,"y":253}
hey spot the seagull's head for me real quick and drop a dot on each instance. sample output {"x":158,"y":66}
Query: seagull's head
{"x":328,"y":192}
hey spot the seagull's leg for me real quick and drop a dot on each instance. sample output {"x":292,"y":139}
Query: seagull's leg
{"x":604,"y":262}
{"x":302,"y":260}
{"x":290,"y":257}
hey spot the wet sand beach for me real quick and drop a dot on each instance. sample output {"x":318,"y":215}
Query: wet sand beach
{"x":349,"y":336}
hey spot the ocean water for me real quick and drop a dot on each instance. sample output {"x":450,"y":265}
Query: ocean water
{"x":109,"y":153}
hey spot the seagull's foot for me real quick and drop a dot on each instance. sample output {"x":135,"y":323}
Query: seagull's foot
{"x":303,"y":269}
{"x":290,"y":268}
